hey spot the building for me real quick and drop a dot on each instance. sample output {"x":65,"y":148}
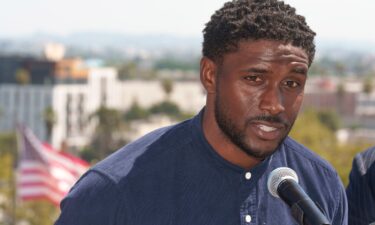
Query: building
{"x":71,"y":104}
{"x":67,"y":92}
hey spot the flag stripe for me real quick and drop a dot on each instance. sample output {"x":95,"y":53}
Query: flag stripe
{"x":26,"y":188}
{"x":31,"y":193}
{"x":43,"y":172}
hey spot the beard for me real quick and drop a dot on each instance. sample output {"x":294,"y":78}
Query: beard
{"x":237,"y":135}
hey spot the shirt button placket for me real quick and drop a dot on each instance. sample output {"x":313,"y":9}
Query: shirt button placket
{"x":247,"y":217}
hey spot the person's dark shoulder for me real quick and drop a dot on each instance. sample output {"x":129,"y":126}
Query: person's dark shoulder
{"x":366,"y":159}
{"x":92,"y":200}
{"x":160,"y":141}
{"x":299,"y":151}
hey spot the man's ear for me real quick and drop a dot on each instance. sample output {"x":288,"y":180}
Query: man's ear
{"x":208,"y":71}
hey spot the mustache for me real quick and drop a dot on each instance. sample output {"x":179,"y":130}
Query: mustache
{"x":271,"y":119}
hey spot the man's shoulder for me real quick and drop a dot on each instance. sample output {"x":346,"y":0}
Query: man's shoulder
{"x":368,"y":155}
{"x":306,"y":155}
{"x":120,"y":163}
{"x":365,"y":160}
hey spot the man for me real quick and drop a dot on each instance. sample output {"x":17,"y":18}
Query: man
{"x":361,"y":189}
{"x":213,"y":169}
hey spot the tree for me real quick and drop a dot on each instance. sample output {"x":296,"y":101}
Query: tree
{"x":311,"y":132}
{"x":128,"y":71}
{"x":167,"y":85}
{"x":167,"y":108}
{"x":22,"y":76}
{"x":340,"y":93}
{"x":50,"y":118}
{"x":340,"y":68}
{"x":340,"y":90}
{"x":108,"y":135}
{"x":173,"y":63}
{"x":367,"y":85}
{"x":136,"y":112}
{"x":34,"y":212}
{"x":330,"y":119}
{"x":7,"y":193}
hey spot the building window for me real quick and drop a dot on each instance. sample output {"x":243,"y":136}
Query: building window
{"x":103,"y":91}
{"x":81,"y":112}
{"x":68,"y":110}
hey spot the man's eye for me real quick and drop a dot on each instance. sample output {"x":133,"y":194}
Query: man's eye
{"x":292,"y":84}
{"x":253,"y":78}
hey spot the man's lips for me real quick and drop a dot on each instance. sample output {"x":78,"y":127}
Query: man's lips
{"x":266,"y":128}
{"x":269,"y":127}
{"x":268,"y":131}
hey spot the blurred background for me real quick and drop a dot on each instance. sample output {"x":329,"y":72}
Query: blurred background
{"x":88,"y":77}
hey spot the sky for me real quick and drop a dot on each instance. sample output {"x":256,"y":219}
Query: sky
{"x":331,"y":19}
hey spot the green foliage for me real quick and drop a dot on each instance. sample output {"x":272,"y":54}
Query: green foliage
{"x":340,"y":91}
{"x":132,"y":70}
{"x":22,"y":76}
{"x":7,"y":185}
{"x":367,"y":85}
{"x":136,"y":112}
{"x":310,"y":131}
{"x":108,"y":119}
{"x":342,"y":66}
{"x":8,"y":143}
{"x":167,"y":85}
{"x":38,"y":212}
{"x":174,"y":63}
{"x":108,"y":135}
{"x":330,"y":119}
{"x":128,"y":70}
{"x":34,"y":212}
{"x":50,"y":118}
{"x":167,"y":108}
{"x":342,"y":158}
{"x":170,"y":109}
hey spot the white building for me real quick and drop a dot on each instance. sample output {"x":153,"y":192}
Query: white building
{"x":189,"y":95}
{"x":74,"y":103}
{"x":71,"y":103}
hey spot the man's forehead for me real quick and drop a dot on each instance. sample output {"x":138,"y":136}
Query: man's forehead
{"x":269,"y":48}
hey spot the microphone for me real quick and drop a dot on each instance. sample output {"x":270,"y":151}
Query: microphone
{"x":283,"y":183}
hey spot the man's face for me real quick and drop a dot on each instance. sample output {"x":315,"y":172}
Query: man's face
{"x":259,"y":91}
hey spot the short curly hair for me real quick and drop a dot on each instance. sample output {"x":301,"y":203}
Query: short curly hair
{"x":253,"y":20}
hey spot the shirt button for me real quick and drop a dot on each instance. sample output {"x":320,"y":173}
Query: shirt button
{"x":248,"y":218}
{"x":248,"y":175}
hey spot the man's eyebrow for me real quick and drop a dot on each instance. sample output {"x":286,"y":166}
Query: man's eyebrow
{"x":256,"y":70}
{"x":300,"y":70}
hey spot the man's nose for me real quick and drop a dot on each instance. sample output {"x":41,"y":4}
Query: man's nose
{"x":272,"y":101}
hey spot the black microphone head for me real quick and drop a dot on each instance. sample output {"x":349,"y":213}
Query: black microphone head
{"x":277,"y":176}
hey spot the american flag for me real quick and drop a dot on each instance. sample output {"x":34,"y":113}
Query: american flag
{"x":43,"y":172}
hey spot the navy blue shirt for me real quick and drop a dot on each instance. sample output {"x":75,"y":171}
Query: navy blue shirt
{"x":361,"y":189}
{"x":173,"y":176}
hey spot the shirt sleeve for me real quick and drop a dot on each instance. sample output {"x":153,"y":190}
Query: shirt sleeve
{"x":360,"y":196}
{"x":92,"y":201}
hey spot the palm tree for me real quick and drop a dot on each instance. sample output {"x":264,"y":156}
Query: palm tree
{"x":367,"y":85}
{"x":108,"y":135}
{"x":22,"y":76}
{"x":167,"y":85}
{"x":50,"y":118}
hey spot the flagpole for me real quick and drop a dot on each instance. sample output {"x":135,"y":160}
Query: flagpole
{"x":14,"y":177}
{"x":14,"y":194}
